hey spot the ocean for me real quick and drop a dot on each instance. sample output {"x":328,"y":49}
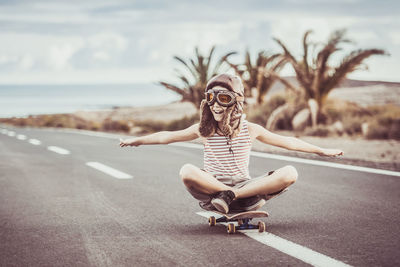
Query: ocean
{"x":25,"y":100}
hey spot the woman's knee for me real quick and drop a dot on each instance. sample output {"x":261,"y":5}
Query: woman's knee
{"x":290,"y":175}
{"x":187,"y":172}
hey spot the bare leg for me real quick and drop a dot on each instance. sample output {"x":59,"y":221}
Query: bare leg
{"x":193,"y":177}
{"x":280,"y":179}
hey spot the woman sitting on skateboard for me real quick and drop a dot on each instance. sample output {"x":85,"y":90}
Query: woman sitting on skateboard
{"x":224,"y":183}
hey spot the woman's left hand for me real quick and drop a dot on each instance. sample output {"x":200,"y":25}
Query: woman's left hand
{"x":331,"y":152}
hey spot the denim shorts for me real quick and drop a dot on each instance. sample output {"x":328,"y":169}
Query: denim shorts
{"x":205,"y":199}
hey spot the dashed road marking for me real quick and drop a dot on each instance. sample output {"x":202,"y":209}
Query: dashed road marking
{"x":35,"y":142}
{"x":108,"y":170}
{"x":288,"y":247}
{"x":11,"y":133}
{"x":21,"y":137}
{"x":59,"y":150}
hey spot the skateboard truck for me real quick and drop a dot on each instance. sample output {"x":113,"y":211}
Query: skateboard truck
{"x":243,"y":222}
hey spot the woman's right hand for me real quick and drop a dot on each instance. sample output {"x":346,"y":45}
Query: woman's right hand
{"x":129,"y":142}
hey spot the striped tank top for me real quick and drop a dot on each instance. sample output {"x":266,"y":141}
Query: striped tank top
{"x":228,"y":159}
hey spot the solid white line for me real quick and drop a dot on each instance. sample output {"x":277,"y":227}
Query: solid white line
{"x":299,"y":252}
{"x":110,"y":171}
{"x":305,"y":161}
{"x":58,"y":150}
{"x":35,"y":142}
{"x":292,"y":249}
{"x":325,"y":163}
{"x":21,"y":137}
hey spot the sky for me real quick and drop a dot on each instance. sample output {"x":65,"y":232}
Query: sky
{"x":127,"y":41}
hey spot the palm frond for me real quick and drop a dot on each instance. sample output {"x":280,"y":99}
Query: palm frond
{"x":305,"y":50}
{"x":223,"y":59}
{"x":349,"y":64}
{"x":174,"y":88}
{"x":192,"y":71}
{"x":287,"y":52}
{"x":210,"y":57}
{"x":301,"y":74}
{"x":270,"y":59}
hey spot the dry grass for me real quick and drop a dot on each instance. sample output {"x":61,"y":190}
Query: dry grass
{"x":383,"y":121}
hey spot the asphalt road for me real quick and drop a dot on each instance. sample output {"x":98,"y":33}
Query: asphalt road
{"x":55,"y":210}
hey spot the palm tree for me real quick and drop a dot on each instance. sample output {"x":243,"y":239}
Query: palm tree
{"x":316,"y":76}
{"x":261,"y":75}
{"x":200,"y":71}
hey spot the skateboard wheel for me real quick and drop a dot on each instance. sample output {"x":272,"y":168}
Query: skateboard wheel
{"x":261,"y":227}
{"x":212,"y":221}
{"x":231,"y":228}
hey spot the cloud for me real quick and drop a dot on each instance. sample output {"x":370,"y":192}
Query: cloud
{"x":108,"y":41}
{"x":395,"y":37}
{"x":60,"y":55}
{"x":27,"y":62}
{"x":95,"y":35}
{"x":102,"y":56}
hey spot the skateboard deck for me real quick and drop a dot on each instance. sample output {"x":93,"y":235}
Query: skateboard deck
{"x":243,"y":215}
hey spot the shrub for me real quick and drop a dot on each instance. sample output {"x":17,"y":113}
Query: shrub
{"x":320,"y":130}
{"x":394,"y":130}
{"x":352,"y":125}
{"x":259,"y":114}
{"x":376,"y":131}
{"x":179,"y":124}
{"x":385,"y":122}
{"x":115,"y":126}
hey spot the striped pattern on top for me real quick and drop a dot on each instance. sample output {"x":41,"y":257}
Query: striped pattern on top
{"x":224,"y":157}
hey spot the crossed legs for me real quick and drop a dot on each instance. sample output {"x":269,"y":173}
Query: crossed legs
{"x":201,"y":181}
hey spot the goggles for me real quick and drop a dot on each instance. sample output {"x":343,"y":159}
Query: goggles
{"x":223,"y":97}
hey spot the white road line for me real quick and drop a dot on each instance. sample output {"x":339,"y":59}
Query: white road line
{"x":11,"y":133}
{"x":58,"y":150}
{"x":292,"y":249}
{"x":21,"y":137}
{"x":326,"y":164}
{"x":108,"y":170}
{"x":4,"y":131}
{"x":35,"y":142}
{"x":306,"y":161}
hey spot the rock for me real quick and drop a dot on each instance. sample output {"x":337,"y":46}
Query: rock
{"x":364,"y":129}
{"x":301,"y":119}
{"x":313,"y":105}
{"x":275,"y":116}
{"x":135,"y":130}
{"x":337,"y":127}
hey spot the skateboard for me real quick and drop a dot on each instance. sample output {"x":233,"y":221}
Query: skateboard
{"x":243,"y":218}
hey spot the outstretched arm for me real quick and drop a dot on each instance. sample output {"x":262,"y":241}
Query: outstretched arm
{"x":164,"y":137}
{"x":260,"y":133}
